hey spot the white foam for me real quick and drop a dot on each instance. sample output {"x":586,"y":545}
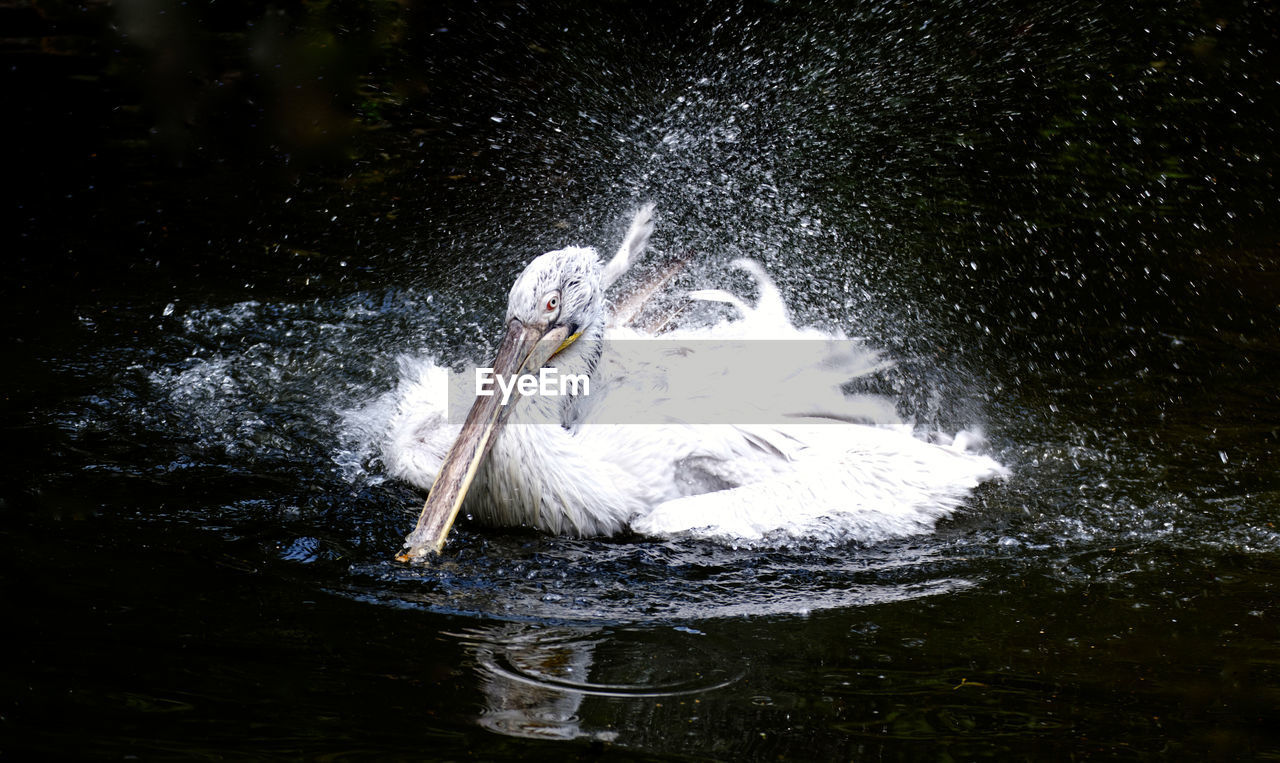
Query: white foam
{"x":787,"y":482}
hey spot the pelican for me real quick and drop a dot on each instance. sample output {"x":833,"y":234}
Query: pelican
{"x":805,"y":459}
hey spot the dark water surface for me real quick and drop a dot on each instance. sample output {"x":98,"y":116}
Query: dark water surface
{"x":1060,"y":221}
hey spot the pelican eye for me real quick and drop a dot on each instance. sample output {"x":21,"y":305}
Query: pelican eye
{"x":553,"y":302}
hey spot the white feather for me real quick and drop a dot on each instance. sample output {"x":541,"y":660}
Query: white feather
{"x":592,"y":473}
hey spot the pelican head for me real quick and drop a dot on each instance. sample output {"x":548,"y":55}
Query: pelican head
{"x":555,"y":309}
{"x":560,"y":288}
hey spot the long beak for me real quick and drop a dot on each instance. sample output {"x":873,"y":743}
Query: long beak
{"x":525,"y":348}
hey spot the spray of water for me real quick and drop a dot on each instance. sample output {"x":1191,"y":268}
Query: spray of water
{"x":842,"y":148}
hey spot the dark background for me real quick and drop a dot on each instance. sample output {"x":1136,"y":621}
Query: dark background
{"x":1060,"y":219}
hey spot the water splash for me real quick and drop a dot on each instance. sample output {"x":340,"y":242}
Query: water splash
{"x":932,"y":177}
{"x":257,"y":402}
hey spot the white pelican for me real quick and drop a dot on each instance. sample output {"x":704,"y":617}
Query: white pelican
{"x":586,"y":474}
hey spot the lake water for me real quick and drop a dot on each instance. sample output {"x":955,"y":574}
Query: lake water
{"x":1058,"y":221}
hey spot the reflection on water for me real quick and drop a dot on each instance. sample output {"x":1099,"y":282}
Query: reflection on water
{"x":537,"y":678}
{"x":523,"y":672}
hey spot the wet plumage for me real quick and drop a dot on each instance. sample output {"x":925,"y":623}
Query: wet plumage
{"x":582,"y":465}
